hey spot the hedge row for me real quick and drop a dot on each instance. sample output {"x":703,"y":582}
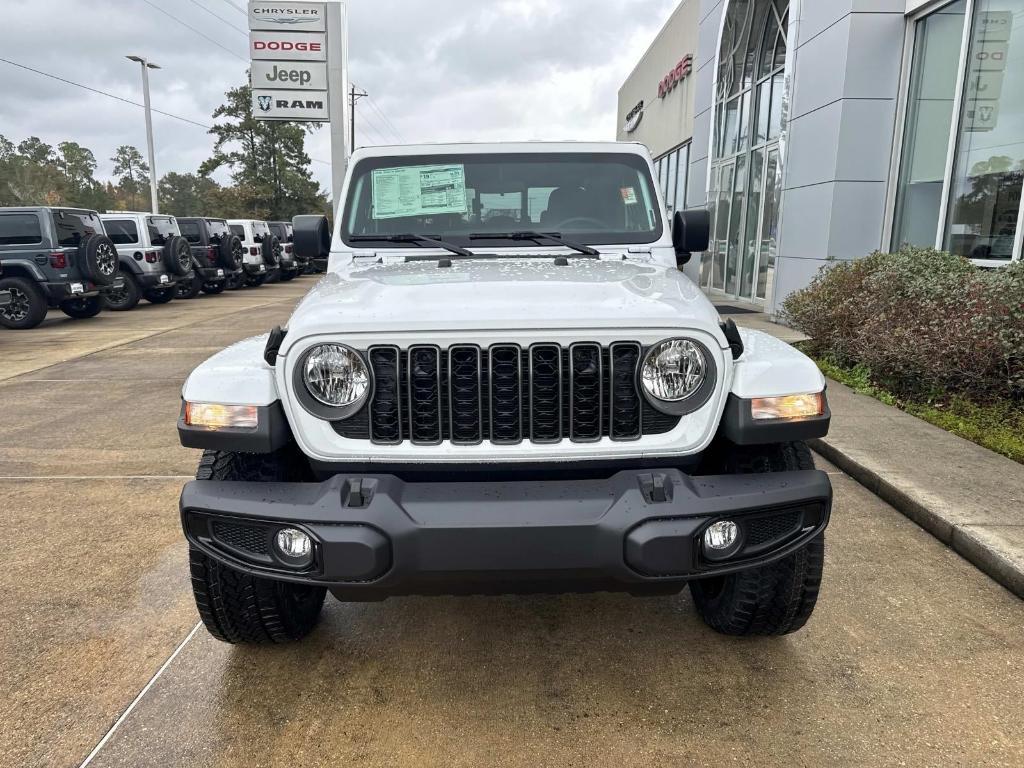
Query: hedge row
{"x":926,"y":324}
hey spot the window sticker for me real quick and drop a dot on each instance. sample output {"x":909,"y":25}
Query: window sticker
{"x":422,"y":190}
{"x":629,"y":195}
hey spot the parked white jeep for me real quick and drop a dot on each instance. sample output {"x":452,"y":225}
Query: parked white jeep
{"x":263,"y":251}
{"x":504,"y":383}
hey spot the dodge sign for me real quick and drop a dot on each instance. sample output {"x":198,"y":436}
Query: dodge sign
{"x":289,"y":46}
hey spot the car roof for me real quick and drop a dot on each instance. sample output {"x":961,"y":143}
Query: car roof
{"x":34,"y":208}
{"x":498,"y":147}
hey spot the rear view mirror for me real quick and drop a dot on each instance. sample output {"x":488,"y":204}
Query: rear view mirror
{"x":691,"y":233}
{"x":311,"y":238}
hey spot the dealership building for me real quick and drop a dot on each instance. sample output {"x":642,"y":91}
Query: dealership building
{"x":823,"y":130}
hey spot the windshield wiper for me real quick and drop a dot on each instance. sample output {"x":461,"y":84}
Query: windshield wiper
{"x":555,"y":237}
{"x":411,"y":238}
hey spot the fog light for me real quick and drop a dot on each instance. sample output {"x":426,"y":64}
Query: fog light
{"x":294,"y":545}
{"x":721,"y":536}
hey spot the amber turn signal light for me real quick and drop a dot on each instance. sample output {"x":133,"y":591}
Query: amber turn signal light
{"x":788,"y":407}
{"x":214,"y":416}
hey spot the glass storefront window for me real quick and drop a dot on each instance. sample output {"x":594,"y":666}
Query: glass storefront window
{"x":932,"y":94}
{"x":683,"y":169}
{"x":988,"y":171}
{"x":669,"y":185}
{"x":751,"y":104}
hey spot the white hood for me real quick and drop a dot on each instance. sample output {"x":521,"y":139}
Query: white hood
{"x":503,"y":294}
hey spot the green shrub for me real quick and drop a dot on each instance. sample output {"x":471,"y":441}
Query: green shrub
{"x":922,"y":323}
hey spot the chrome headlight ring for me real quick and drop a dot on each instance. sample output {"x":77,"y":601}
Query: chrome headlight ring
{"x":677,"y":376}
{"x":332,"y":381}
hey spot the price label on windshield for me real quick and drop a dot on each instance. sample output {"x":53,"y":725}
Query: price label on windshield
{"x":420,"y":190}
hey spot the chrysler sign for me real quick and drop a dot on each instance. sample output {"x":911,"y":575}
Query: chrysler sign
{"x":285,"y":16}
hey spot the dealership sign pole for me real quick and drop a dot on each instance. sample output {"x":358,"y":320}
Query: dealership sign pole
{"x":299,"y":58}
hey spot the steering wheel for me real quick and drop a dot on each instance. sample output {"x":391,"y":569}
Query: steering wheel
{"x":581,"y":219}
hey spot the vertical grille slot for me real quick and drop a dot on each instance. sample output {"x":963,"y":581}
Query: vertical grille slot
{"x":386,"y":406}
{"x":624,"y":399}
{"x":425,"y":395}
{"x":545,"y":393}
{"x":506,"y":394}
{"x":465,"y":394}
{"x":585,"y":396}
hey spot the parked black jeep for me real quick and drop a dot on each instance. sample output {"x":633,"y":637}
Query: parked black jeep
{"x":216,"y":253}
{"x":54,"y":257}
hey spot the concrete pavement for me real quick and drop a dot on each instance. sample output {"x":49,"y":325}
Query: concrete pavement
{"x":910,"y":659}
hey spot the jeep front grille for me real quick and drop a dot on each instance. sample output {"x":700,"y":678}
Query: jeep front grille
{"x":505,"y":395}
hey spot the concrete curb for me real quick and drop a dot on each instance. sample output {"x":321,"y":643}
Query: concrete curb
{"x":962,"y":539}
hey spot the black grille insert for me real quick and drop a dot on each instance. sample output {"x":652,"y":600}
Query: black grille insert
{"x":505,"y":394}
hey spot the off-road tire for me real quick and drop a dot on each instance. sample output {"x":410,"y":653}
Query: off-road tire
{"x":29,"y":305}
{"x":188,"y":288}
{"x":289,"y":274}
{"x":774,"y":599}
{"x":178,"y":256}
{"x":82,"y":309}
{"x":239,"y":608}
{"x":213,"y":289}
{"x":98,"y":259}
{"x":126,"y":298}
{"x":231,"y":253}
{"x":271,"y":250}
{"x":255,"y":281}
{"x":235,"y":281}
{"x":159,"y":295}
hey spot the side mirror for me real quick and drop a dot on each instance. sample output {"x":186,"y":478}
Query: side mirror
{"x":691,"y":233}
{"x":311,"y":238}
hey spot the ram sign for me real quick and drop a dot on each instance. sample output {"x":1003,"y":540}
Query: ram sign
{"x":290,"y":105}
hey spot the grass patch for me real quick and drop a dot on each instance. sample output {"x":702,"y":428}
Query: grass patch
{"x":997,"y":426}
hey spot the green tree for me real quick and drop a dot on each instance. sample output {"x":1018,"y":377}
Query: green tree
{"x":189,"y":194}
{"x":267,"y":160}
{"x":30,"y":175}
{"x":132,"y":173}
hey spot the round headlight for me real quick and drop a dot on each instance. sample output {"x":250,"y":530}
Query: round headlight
{"x":335,"y":375}
{"x":674,"y":370}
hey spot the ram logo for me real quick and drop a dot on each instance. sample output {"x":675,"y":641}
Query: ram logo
{"x":265,"y":103}
{"x":298,"y":104}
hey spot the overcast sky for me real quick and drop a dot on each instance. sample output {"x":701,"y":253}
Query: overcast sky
{"x":438,"y":70}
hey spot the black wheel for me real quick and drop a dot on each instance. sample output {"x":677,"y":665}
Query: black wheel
{"x":188,"y":288}
{"x":82,"y":309}
{"x":178,"y":256}
{"x":230,"y":253}
{"x":288,"y":275}
{"x":159,"y":295}
{"x":774,"y":599}
{"x":235,"y":281}
{"x":239,"y":608}
{"x":255,"y":281}
{"x":123,"y":299}
{"x":28,"y":304}
{"x":98,"y":259}
{"x":214,"y":288}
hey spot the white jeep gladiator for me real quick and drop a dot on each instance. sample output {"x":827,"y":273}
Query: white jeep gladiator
{"x":504,"y":384}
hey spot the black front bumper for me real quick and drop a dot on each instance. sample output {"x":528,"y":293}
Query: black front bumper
{"x":56,"y":293}
{"x":256,"y":269}
{"x":212,"y":274}
{"x":151,"y":280}
{"x":377,"y":536}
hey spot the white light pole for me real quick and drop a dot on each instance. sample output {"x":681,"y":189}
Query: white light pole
{"x":146,"y":66}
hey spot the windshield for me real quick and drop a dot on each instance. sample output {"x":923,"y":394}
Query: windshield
{"x":75,"y":226}
{"x":161,"y":229}
{"x":591,"y":198}
{"x":218,"y":229}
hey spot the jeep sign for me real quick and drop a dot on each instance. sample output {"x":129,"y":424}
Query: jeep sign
{"x":288,"y":46}
{"x":297,"y":75}
{"x":287,"y":17}
{"x":290,"y":105}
